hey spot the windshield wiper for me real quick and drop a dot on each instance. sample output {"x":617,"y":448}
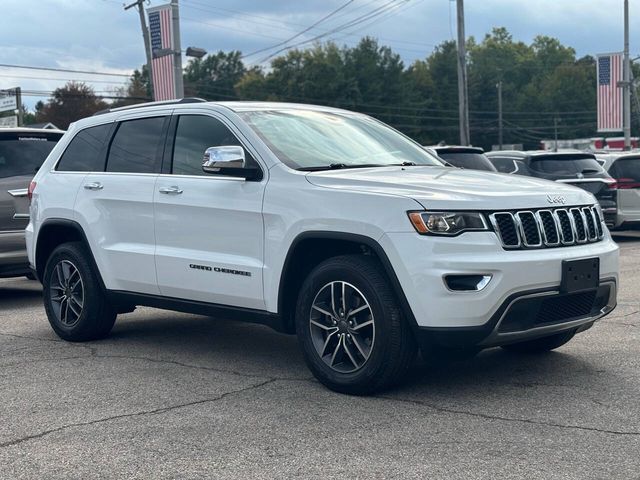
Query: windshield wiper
{"x":338,"y":166}
{"x":589,"y":170}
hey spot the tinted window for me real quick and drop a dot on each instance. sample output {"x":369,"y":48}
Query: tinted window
{"x":504,"y":165}
{"x":626,"y":168}
{"x":194,"y":134}
{"x":471,"y":160}
{"x":23,"y":153}
{"x":569,"y":166}
{"x":84,"y":153}
{"x":135,"y":146}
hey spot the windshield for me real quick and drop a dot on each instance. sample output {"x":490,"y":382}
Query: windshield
{"x":307,"y":139}
{"x":471,"y":160}
{"x":22,"y":154}
{"x":569,"y":166}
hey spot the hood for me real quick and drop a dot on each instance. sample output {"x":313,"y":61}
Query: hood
{"x":452,"y":188}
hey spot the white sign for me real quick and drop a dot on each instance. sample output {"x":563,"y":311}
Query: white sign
{"x":9,"y":122}
{"x":8,"y":100}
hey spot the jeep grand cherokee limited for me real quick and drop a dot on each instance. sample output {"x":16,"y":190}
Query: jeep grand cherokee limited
{"x":315,"y":221}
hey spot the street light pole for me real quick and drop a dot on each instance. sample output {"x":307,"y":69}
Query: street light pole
{"x":463,"y":96}
{"x":627,"y":81}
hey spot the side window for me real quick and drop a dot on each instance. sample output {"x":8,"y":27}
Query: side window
{"x":135,"y":146}
{"x":196,"y":133}
{"x":503,"y":165}
{"x":84,"y":153}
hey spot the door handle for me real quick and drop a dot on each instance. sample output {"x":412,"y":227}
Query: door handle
{"x":20,"y":192}
{"x":171,"y":190}
{"x":93,"y":186}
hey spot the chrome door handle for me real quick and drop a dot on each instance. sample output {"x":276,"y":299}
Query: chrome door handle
{"x":171,"y":190}
{"x":93,"y":186}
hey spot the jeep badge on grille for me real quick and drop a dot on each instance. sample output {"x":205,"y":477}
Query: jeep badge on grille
{"x":557,"y":199}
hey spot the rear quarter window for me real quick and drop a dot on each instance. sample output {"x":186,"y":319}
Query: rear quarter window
{"x":84,"y":153}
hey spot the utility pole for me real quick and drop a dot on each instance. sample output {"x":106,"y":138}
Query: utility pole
{"x":463,"y":96}
{"x":627,"y":81}
{"x":145,"y":36}
{"x":177,"y":49}
{"x":499,"y":86}
{"x":19,"y":105}
{"x":555,"y":133}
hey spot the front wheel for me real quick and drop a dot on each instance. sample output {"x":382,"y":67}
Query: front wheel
{"x":73,"y":296}
{"x":350,"y":327}
{"x":541,"y":345}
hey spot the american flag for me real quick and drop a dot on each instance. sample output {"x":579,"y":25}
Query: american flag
{"x":609,"y":95}
{"x":160,"y":30}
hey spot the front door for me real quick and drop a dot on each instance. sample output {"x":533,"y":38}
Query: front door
{"x":209,"y":228}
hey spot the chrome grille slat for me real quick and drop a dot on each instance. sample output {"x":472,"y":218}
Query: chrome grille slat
{"x":557,"y":227}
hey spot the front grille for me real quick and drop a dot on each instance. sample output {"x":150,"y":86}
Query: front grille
{"x":548,"y":228}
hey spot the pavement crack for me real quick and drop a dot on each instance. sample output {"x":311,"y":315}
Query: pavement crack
{"x":155,"y":411}
{"x":511,"y":419}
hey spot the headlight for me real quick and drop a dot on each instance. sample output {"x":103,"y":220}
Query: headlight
{"x":447,"y":223}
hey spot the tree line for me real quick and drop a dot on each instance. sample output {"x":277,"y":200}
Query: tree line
{"x":541,"y":81}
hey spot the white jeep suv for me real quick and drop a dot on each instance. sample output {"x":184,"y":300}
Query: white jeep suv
{"x":315,"y":221}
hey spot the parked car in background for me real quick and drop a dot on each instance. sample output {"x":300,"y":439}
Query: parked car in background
{"x":472,"y":158}
{"x":625,"y":170}
{"x":572,"y":167}
{"x":22,"y":151}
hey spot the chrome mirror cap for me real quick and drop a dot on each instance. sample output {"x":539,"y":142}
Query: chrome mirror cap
{"x":219,"y":159}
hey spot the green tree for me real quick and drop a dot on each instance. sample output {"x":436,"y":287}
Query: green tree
{"x":214,"y":76}
{"x":67,"y":104}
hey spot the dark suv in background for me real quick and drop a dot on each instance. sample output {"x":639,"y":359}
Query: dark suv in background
{"x":575,"y":168}
{"x":22,"y":151}
{"x":472,"y":158}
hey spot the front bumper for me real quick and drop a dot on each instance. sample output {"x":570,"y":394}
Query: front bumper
{"x":421,"y":263}
{"x":527,"y":316}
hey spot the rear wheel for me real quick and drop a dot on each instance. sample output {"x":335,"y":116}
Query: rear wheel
{"x":73,"y":296}
{"x":351,"y":328}
{"x":541,"y":345}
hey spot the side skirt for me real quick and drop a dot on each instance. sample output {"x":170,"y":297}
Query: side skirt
{"x":126,"y":300}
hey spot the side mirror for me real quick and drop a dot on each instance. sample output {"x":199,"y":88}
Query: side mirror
{"x":227,"y":160}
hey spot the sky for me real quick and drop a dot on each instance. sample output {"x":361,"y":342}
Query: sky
{"x":99,"y":36}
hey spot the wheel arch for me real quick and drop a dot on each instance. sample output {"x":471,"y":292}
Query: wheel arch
{"x":309,"y":249}
{"x":54,"y":232}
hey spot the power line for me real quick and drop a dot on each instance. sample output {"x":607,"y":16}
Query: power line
{"x":302,"y":32}
{"x":52,"y":69}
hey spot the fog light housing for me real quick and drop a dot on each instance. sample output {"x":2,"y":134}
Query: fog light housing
{"x":467,"y":283}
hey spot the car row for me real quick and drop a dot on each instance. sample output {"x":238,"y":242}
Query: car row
{"x":315,"y":221}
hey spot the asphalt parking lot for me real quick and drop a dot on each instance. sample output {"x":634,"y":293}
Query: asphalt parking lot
{"x":181,"y":396}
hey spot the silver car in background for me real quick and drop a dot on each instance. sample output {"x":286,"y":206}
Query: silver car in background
{"x":22,"y":151}
{"x":625,"y":169}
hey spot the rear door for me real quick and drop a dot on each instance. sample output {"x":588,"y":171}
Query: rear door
{"x":626,"y":172}
{"x":115,"y":206}
{"x":21,"y":154}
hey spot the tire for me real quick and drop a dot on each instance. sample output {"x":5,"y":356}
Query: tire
{"x":86,"y":314}
{"x":541,"y":345}
{"x":380,"y":345}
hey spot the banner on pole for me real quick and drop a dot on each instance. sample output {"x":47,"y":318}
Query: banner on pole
{"x":609,"y":74}
{"x":162,"y":50}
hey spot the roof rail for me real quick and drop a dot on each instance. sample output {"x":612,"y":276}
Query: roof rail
{"x":151,"y":104}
